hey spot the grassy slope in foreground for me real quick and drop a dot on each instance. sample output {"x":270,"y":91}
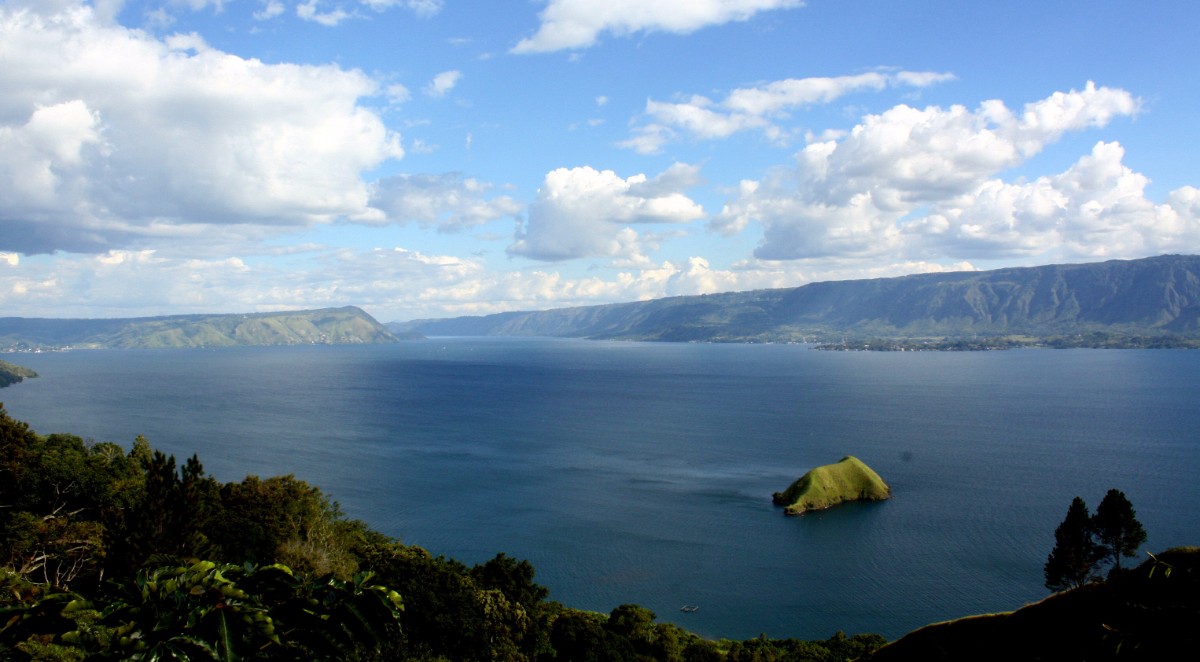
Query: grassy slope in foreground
{"x":11,"y":374}
{"x":1147,"y":613}
{"x":847,"y":480}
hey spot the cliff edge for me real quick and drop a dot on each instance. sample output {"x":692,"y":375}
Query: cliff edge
{"x":11,"y":374}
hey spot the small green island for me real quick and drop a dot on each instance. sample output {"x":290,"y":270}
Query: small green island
{"x":846,"y":480}
{"x":11,"y":374}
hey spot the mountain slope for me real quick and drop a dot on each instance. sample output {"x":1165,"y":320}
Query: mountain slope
{"x":1148,"y":297}
{"x":324,"y":326}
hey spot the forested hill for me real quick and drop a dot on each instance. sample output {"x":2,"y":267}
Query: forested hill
{"x":11,"y":374}
{"x":1152,"y":297}
{"x":324,"y":326}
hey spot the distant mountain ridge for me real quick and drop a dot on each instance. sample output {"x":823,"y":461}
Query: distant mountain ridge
{"x":326,"y":326}
{"x":1156,"y":296}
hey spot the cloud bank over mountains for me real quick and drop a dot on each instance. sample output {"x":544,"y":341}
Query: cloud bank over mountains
{"x":145,"y":170}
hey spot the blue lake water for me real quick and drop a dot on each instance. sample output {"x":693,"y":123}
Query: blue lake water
{"x":643,"y":472}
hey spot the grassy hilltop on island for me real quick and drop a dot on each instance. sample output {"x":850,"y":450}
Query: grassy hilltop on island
{"x":849,"y":479}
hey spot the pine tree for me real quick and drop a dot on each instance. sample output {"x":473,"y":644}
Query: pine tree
{"x":1117,"y":527}
{"x":1072,"y":562}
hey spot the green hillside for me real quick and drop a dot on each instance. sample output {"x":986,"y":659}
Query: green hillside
{"x":849,"y":479}
{"x":1148,"y":302}
{"x":11,"y":374}
{"x":328,"y":326}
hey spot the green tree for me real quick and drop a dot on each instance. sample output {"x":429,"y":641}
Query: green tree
{"x":167,"y":514}
{"x":16,"y":442}
{"x":650,"y":640}
{"x":53,"y":492}
{"x":578,"y":636}
{"x":1117,"y":527}
{"x":511,"y":577}
{"x":520,"y":600}
{"x":1072,"y":562}
{"x":701,"y":650}
{"x":283,"y":519}
{"x":442,"y":617}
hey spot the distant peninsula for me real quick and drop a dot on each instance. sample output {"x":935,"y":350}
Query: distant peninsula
{"x":1146,"y":303}
{"x":326,"y":326}
{"x":846,"y":480}
{"x":11,"y":374}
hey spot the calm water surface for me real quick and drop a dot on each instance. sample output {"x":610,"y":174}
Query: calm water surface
{"x":639,"y":472}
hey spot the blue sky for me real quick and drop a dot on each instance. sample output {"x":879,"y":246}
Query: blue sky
{"x":431,"y":158}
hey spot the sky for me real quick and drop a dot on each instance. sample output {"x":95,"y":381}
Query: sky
{"x":436,"y":158}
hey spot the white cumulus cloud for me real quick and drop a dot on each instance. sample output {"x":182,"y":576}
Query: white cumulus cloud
{"x":583,"y":212}
{"x":758,"y":108}
{"x":1097,"y":208}
{"x":311,"y":11}
{"x":442,"y":83}
{"x":572,"y":24}
{"x":925,"y":183}
{"x":111,"y":136}
{"x":270,"y":9}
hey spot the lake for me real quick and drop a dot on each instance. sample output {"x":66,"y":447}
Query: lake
{"x":643,"y":472}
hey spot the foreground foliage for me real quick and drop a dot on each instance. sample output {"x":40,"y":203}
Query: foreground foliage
{"x":207,"y":611}
{"x":108,"y":554}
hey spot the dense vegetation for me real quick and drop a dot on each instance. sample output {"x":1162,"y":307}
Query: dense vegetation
{"x":11,"y":374}
{"x":326,"y":326}
{"x":107,"y":553}
{"x":1153,"y":302}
